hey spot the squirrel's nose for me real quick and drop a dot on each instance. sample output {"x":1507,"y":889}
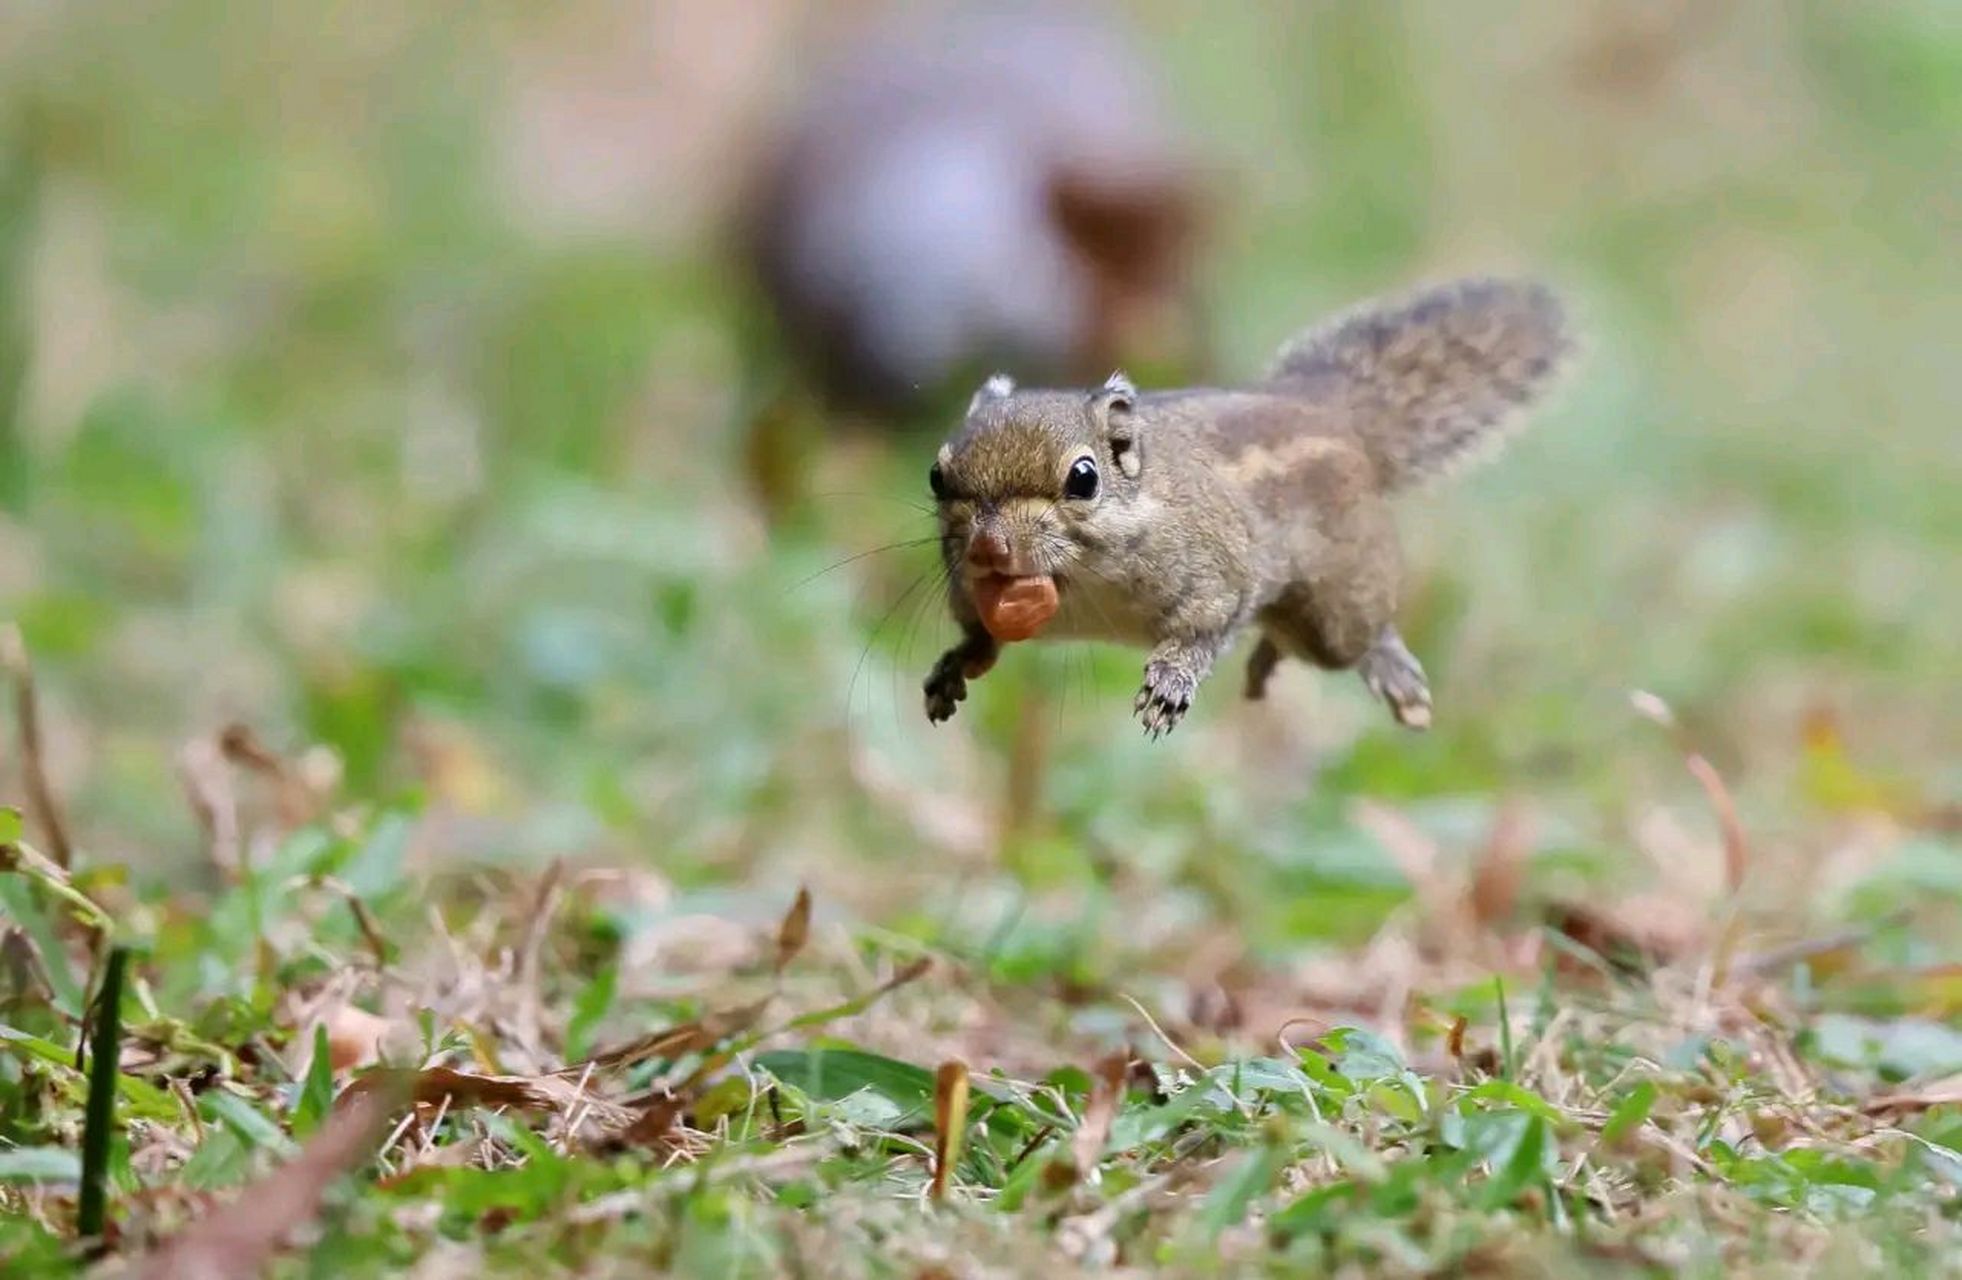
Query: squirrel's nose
{"x":988,"y":552}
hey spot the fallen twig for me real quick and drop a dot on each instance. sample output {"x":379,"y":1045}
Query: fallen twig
{"x":34,"y":774}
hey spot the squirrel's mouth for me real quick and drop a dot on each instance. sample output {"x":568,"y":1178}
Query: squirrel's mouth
{"x":1015,"y":607}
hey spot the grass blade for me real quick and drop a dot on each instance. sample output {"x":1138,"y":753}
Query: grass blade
{"x":317,"y":1092}
{"x":99,"y":1128}
{"x":1628,"y":1114}
{"x":39,"y":1164}
{"x":1506,"y":1064}
{"x":1522,"y":1168}
{"x":1227,"y":1204}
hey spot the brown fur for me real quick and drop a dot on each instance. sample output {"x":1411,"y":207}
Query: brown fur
{"x":1220,"y":509}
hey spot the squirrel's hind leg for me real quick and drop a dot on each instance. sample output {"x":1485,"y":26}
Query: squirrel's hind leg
{"x":1260,"y":667}
{"x":1393,"y":674}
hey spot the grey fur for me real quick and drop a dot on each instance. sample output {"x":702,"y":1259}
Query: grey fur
{"x":1433,"y":379}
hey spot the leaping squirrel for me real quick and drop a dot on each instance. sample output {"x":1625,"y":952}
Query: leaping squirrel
{"x":1173,"y":520}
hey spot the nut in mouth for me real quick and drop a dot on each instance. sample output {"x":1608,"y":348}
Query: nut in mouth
{"x":1015,"y":607}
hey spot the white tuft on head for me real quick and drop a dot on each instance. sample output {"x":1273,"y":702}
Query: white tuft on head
{"x":995,"y":388}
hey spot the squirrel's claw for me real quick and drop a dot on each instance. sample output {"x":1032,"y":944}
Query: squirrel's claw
{"x":946,"y":684}
{"x":1164,"y":699}
{"x":945,"y":688}
{"x":1393,"y":674}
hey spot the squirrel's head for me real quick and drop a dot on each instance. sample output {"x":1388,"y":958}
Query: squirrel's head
{"x":1036,"y":486}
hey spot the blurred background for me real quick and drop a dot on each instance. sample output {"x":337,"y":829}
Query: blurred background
{"x":494,"y":406}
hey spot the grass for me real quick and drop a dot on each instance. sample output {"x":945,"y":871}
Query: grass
{"x":414,"y":679}
{"x":809,"y":1096}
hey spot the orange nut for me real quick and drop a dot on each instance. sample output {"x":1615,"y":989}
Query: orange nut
{"x":1015,"y":608}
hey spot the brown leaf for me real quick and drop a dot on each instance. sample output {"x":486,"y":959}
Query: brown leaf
{"x":354,"y":1037}
{"x":949,"y":1122}
{"x":1099,"y":1113}
{"x":795,"y":930}
{"x":651,"y":1127}
{"x":241,"y":1238}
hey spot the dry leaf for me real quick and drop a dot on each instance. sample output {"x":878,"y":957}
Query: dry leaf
{"x":1099,"y":1113}
{"x":354,"y":1037}
{"x":241,"y":1238}
{"x":651,"y":1126}
{"x":795,"y":930}
{"x":949,"y":1122}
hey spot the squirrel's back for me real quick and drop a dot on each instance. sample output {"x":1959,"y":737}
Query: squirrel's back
{"x":1433,"y":379}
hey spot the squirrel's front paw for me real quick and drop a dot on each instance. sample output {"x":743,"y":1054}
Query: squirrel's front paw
{"x":946,"y":684}
{"x":1165,"y":697}
{"x":946,"y":688}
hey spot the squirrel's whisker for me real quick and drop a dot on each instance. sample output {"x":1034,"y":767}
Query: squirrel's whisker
{"x":854,"y":559}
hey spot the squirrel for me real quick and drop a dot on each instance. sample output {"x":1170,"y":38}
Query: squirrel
{"x":1173,"y":520}
{"x":966,"y":185}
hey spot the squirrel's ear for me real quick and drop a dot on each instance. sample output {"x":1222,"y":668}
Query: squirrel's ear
{"x":995,"y":388}
{"x":1112,"y":403}
{"x":1119,"y":390}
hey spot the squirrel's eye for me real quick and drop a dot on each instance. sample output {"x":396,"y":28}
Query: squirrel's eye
{"x":1082,"y":480}
{"x":937,"y":481}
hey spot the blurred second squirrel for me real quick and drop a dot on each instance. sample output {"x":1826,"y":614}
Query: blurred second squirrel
{"x":991,"y":185}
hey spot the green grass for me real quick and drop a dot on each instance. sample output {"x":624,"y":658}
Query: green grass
{"x":768,"y":1095}
{"x":318,"y":417}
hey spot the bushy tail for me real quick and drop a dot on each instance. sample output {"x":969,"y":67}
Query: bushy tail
{"x":1434,"y":378}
